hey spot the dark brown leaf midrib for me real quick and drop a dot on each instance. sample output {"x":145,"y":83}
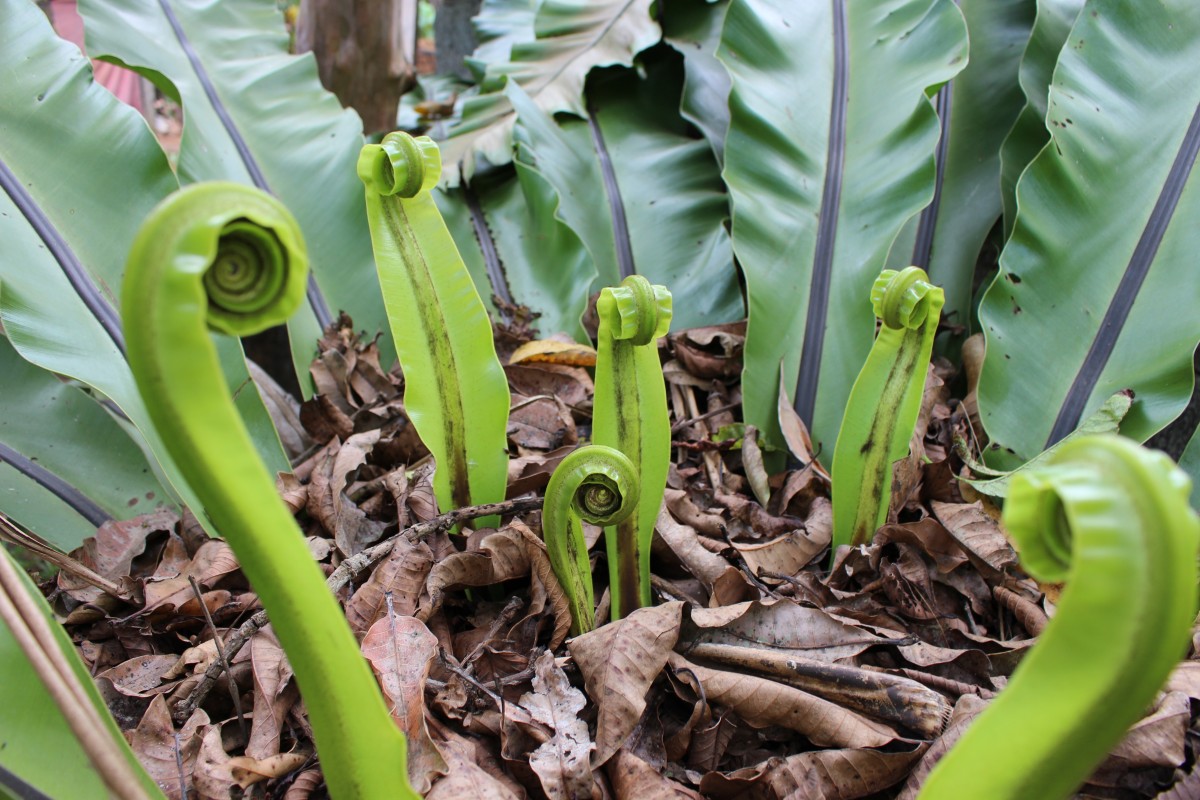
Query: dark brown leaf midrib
{"x":1127,"y":291}
{"x":434,"y":329}
{"x":70,"y":495}
{"x":818,"y":297}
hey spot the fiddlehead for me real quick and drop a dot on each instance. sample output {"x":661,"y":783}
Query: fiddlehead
{"x":244,"y":247}
{"x":1112,"y":519}
{"x":455,"y":390}
{"x":597,"y":484}
{"x":630,"y":415}
{"x":882,"y":409}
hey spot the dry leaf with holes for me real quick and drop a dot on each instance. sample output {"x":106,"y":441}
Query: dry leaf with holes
{"x":561,"y":762}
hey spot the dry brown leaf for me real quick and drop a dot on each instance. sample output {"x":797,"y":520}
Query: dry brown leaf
{"x":274,"y":694}
{"x":402,"y":573}
{"x":170,"y":587}
{"x":783,"y":555}
{"x":1158,"y":739}
{"x":572,"y":385}
{"x":467,"y":778}
{"x":352,"y":530}
{"x":247,"y":771}
{"x":212,"y":777}
{"x":401,"y":650}
{"x":140,"y":676}
{"x":541,"y":423}
{"x":553,"y":351}
{"x":634,"y":779}
{"x":561,"y":762}
{"x":161,"y":749}
{"x":502,"y":555}
{"x":811,"y":632}
{"x":795,"y":432}
{"x":304,"y":785}
{"x":820,"y":775}
{"x":110,"y":553}
{"x":761,"y":702}
{"x":619,"y":662}
{"x":967,"y":708}
{"x":979,"y":535}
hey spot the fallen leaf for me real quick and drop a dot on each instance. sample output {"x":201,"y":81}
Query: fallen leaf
{"x":635,"y":779}
{"x":761,"y":702}
{"x":553,"y":351}
{"x":401,"y":650}
{"x":274,"y":694}
{"x":166,"y":752}
{"x":619,"y":662}
{"x":561,"y":762}
{"x":402,"y":574}
{"x":247,"y":771}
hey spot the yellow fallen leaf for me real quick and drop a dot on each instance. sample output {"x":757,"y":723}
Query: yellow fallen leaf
{"x":549,"y":351}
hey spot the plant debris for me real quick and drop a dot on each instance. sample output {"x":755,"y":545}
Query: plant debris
{"x":760,"y":673}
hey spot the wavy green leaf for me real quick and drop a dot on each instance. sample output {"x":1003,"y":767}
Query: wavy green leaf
{"x":67,"y":223}
{"x":499,"y":25}
{"x":977,"y":109}
{"x":693,"y":27}
{"x":642,"y":195}
{"x":1029,"y":135}
{"x":38,"y":750}
{"x":823,"y":180}
{"x":69,"y":467}
{"x":539,"y":257}
{"x":1098,"y":288}
{"x":255,"y":114}
{"x":572,"y":37}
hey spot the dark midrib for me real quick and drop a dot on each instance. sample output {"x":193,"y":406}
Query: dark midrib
{"x":64,"y":491}
{"x":818,"y":297}
{"x":315,"y":298}
{"x":19,"y":789}
{"x":487,"y":245}
{"x":612,"y":189}
{"x":923,"y":247}
{"x":80,"y":280}
{"x":1131,"y":283}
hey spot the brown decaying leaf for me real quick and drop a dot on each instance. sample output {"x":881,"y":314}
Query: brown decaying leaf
{"x":979,"y":535}
{"x":111,"y":552}
{"x":572,"y":385}
{"x":713,"y":351}
{"x":821,"y":775}
{"x":402,"y":573}
{"x":351,"y":528}
{"x":723,"y":581}
{"x":541,"y":423}
{"x":619,"y":662}
{"x":140,"y":676}
{"x":401,"y":650}
{"x":635,"y":779}
{"x":761,"y":702}
{"x":247,"y":771}
{"x":160,"y":748}
{"x":810,"y":632}
{"x":170,"y":588}
{"x":274,"y":694}
{"x":213,"y":776}
{"x":304,"y":785}
{"x":467,"y":777}
{"x":795,"y":432}
{"x":561,"y":762}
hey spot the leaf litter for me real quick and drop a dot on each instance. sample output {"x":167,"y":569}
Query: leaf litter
{"x":759,"y":673}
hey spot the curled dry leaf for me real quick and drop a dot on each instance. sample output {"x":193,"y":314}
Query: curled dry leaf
{"x":304,"y":785}
{"x":724,"y":582}
{"x":466,"y":776}
{"x":619,"y":662}
{"x":541,"y":423}
{"x":247,"y":771}
{"x":762,"y":702}
{"x":401,"y":650}
{"x":161,"y":749}
{"x":554,"y":351}
{"x":634,"y":779}
{"x":171,"y":588}
{"x":561,"y":762}
{"x":820,"y":775}
{"x":784,"y":555}
{"x":980,"y":536}
{"x":351,"y":528}
{"x":213,"y":776}
{"x":402,"y":573}
{"x":140,"y":676}
{"x":966,"y":709}
{"x":110,"y":553}
{"x":512,"y":552}
{"x":810,"y":632}
{"x":274,"y":694}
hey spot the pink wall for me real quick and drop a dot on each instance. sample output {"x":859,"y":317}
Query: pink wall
{"x":126,"y":85}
